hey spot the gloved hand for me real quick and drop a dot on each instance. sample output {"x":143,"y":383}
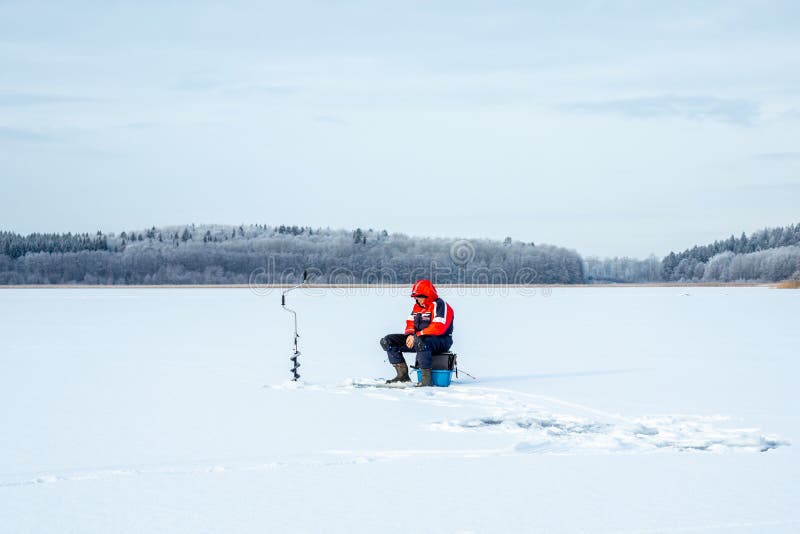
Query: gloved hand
{"x":422,"y":320}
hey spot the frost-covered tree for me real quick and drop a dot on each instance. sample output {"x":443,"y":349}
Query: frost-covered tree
{"x":676,"y":266}
{"x":622,"y":270}
{"x":281,"y":256}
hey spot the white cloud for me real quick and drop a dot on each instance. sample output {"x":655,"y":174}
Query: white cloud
{"x":741,"y":112}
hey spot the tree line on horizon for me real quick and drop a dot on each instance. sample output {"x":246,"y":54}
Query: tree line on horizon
{"x":768,"y":255}
{"x":262,"y":254}
{"x":224,"y":254}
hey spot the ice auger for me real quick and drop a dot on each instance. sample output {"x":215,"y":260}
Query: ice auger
{"x":296,"y":352}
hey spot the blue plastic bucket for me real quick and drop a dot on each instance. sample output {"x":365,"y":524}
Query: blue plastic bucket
{"x":439,"y":378}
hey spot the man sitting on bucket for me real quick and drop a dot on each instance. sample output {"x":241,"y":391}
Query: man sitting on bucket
{"x":429,"y":331}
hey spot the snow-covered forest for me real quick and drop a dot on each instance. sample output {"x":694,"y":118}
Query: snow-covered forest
{"x":622,"y":270}
{"x":216,"y":254}
{"x":768,"y":255}
{"x":261,"y":254}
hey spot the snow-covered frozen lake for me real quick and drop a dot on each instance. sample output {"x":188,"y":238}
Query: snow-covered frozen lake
{"x":602,"y":410}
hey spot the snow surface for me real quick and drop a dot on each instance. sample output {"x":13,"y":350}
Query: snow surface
{"x":595,"y":410}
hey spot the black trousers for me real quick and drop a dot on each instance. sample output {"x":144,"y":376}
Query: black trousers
{"x":424,"y":346}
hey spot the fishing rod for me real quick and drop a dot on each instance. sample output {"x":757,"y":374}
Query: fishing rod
{"x":295,"y":353}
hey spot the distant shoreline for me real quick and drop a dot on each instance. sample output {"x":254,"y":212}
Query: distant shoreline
{"x":386,"y":286}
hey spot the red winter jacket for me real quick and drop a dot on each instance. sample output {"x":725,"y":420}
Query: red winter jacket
{"x":435,"y":318}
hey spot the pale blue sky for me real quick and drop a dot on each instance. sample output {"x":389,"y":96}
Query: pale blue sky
{"x":615,"y":128}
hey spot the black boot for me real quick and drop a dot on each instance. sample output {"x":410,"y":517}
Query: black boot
{"x":427,"y":380}
{"x":402,"y":373}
